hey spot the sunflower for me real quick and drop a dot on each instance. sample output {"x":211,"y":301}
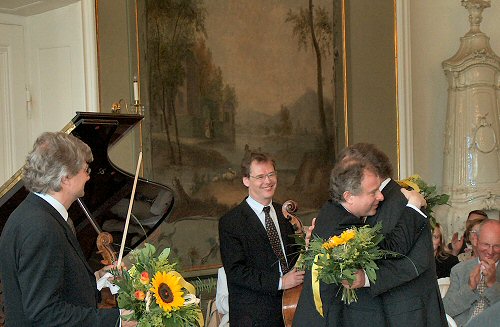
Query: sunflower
{"x":168,"y":291}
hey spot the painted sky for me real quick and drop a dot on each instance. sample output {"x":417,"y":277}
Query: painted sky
{"x":258,"y":54}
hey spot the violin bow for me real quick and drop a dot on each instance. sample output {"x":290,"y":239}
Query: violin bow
{"x":131,"y":203}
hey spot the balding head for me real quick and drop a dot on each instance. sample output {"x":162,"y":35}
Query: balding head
{"x":488,"y":240}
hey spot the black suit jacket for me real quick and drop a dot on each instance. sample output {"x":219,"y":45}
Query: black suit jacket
{"x":46,"y":279}
{"x":407,"y":286}
{"x":332,"y":220}
{"x":251,"y":266}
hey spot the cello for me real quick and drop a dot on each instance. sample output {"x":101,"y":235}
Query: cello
{"x":291,"y":296}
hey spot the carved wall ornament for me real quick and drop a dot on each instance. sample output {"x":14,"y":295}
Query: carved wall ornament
{"x":471,"y":152}
{"x":485,"y":139}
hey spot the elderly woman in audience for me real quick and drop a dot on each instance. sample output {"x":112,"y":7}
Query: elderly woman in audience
{"x":444,"y":260}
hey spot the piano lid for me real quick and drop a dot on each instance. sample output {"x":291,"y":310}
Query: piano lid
{"x":107,"y":193}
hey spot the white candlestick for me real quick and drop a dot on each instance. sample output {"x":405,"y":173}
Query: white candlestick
{"x":136,"y":90}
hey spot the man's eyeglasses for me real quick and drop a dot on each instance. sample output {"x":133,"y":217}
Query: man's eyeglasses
{"x":262,"y":177}
{"x":87,"y":170}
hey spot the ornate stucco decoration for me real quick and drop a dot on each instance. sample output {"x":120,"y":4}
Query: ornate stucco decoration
{"x":471,"y":153}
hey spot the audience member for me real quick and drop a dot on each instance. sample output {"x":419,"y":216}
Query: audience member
{"x":463,"y":245}
{"x":444,"y":260}
{"x":475,"y":283}
{"x":222,"y":298}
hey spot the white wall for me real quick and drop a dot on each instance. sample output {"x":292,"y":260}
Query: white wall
{"x":436,"y":28}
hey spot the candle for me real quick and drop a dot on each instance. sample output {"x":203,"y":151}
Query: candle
{"x":136,"y":90}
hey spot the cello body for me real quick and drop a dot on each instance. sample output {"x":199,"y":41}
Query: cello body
{"x":291,"y":296}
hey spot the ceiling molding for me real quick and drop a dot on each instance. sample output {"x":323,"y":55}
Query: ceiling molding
{"x":31,"y":7}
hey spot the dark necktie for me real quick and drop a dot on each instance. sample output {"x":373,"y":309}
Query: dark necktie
{"x":483,"y":302}
{"x":274,"y":239}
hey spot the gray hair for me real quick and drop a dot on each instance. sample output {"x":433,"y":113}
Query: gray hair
{"x":54,"y":156}
{"x":347,"y":176}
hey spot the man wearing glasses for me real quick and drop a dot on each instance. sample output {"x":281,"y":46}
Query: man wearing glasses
{"x":475,"y":283}
{"x":46,"y":278}
{"x":257,"y":250}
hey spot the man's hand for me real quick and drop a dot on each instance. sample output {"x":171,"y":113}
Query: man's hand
{"x":358,"y":282}
{"x":474,"y":277}
{"x":414,"y":198}
{"x":456,"y":244}
{"x":101,"y":272}
{"x":292,"y":278}
{"x":309,"y":232}
{"x":489,"y":270}
{"x":125,"y":323}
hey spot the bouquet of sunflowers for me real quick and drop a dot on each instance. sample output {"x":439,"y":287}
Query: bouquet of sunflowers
{"x":428,"y":192}
{"x":158,"y":295}
{"x":341,"y":256}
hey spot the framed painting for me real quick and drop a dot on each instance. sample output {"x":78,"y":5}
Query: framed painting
{"x":220,"y":79}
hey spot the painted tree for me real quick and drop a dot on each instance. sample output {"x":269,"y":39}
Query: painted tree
{"x":172,"y":27}
{"x":313,"y":28}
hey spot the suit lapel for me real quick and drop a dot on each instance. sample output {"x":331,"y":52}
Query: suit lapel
{"x":73,"y":241}
{"x":253,"y":222}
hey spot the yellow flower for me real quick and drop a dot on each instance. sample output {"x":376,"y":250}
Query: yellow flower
{"x":348,"y":235}
{"x":333,"y":242}
{"x":167,"y":290}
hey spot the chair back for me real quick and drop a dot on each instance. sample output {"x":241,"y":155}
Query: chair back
{"x":444,"y":284}
{"x":451,"y":322}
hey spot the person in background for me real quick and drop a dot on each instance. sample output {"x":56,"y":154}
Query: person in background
{"x":463,"y":245}
{"x":257,"y":249}
{"x":444,"y":260}
{"x":46,"y":278}
{"x":475,"y":283}
{"x":222,"y":297}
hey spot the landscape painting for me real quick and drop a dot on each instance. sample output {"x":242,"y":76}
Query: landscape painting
{"x":225,"y":78}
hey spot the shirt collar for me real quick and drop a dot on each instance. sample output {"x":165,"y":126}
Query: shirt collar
{"x":384,"y":183}
{"x":56,"y":204}
{"x":257,"y":206}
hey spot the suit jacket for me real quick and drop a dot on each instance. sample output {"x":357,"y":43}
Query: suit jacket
{"x":251,"y":266}
{"x":460,"y":300}
{"x":407,"y":286}
{"x":332,"y":219}
{"x":46,"y":279}
{"x":488,"y":318}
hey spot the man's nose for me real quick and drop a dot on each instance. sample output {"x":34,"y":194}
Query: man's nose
{"x":380,"y":196}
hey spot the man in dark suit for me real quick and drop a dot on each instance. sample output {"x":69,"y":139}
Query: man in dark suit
{"x":46,"y":279}
{"x":407,"y":286}
{"x":354,"y":190}
{"x":255,"y":258}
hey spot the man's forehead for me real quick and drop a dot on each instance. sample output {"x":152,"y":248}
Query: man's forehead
{"x":371,"y":180}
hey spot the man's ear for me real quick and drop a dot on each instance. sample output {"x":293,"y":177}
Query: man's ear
{"x":246,"y":181}
{"x":347,"y":197}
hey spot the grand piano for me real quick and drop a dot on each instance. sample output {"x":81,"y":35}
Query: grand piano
{"x":107,"y":193}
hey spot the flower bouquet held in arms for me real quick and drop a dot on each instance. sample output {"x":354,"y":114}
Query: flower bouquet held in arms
{"x":158,"y":295}
{"x":341,"y":256}
{"x":429,"y":193}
